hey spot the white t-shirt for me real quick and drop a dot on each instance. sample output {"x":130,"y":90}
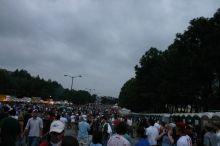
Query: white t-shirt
{"x":118,"y":140}
{"x":184,"y":141}
{"x":152,"y":133}
{"x":72,"y":118}
{"x":34,"y":126}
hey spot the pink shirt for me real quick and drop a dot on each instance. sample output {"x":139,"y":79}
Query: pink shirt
{"x":118,"y":140}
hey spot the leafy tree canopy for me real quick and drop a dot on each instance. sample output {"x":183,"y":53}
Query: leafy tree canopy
{"x":185,"y":75}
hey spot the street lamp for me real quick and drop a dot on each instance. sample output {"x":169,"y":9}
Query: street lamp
{"x":72,"y":77}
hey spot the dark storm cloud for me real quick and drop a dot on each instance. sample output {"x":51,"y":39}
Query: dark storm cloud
{"x":102,"y":40}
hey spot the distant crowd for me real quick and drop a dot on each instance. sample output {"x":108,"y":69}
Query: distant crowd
{"x":28,"y":124}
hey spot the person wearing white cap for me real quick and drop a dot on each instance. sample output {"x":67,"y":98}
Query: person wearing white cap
{"x":56,"y":134}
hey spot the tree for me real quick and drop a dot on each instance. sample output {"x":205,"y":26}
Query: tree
{"x":20,"y":83}
{"x":128,"y":94}
{"x":187,"y":73}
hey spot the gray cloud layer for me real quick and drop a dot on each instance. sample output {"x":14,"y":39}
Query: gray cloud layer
{"x":102,"y":40}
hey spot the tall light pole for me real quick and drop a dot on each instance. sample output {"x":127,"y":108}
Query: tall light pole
{"x":72,"y":77}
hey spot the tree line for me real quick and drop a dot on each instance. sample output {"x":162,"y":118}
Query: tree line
{"x":21,"y":84}
{"x":182,"y":78}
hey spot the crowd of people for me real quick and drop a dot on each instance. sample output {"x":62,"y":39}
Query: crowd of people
{"x":28,"y":124}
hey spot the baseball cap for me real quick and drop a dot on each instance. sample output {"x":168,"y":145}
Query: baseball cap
{"x":57,"y":126}
{"x":84,"y":117}
{"x":35,"y":111}
{"x":157,"y":125}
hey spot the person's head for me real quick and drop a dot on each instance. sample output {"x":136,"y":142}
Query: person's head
{"x":83,"y":118}
{"x":141,"y":132}
{"x":181,"y":129}
{"x":217,"y":125}
{"x":10,"y":131}
{"x":104,"y":119}
{"x":34,"y":113}
{"x":121,"y":128}
{"x":56,"y":131}
{"x":151,"y":122}
{"x":57,"y":117}
{"x":209,"y":127}
{"x":189,"y":129}
{"x":69,"y":141}
{"x":178,"y":119}
{"x":12,"y":112}
{"x":168,"y":127}
{"x":157,"y":125}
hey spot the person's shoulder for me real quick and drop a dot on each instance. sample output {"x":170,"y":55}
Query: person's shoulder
{"x":207,"y":134}
{"x":39,"y":118}
{"x":124,"y":139}
{"x":218,"y":134}
{"x":95,"y":144}
{"x":119,"y":138}
{"x":142,"y":142}
{"x":150,"y":128}
{"x":182,"y":139}
{"x":30,"y":118}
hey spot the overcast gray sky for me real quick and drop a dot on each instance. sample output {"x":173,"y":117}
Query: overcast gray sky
{"x":102,"y":40}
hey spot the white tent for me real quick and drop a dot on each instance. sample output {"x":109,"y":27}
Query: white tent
{"x":124,"y":111}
